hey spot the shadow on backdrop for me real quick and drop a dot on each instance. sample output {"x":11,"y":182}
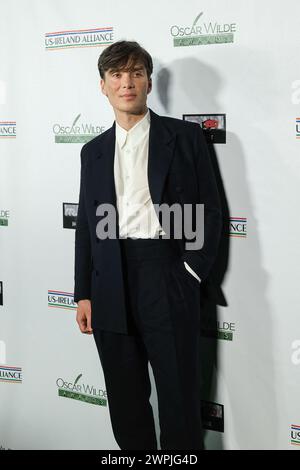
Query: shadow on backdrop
{"x":249,"y":389}
{"x":211,"y":291}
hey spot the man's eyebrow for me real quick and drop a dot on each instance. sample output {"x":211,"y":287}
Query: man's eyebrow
{"x":136,"y":67}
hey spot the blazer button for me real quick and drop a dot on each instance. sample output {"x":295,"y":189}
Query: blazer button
{"x":96,"y":202}
{"x":178,"y":189}
{"x":97,"y":273}
{"x":97,"y":240}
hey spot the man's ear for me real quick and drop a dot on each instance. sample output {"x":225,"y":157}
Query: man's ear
{"x":102,"y":86}
{"x":149,"y":85}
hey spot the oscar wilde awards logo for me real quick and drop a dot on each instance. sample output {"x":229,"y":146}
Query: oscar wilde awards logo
{"x":202,"y":33}
{"x":75,"y":38}
{"x":81,"y":392}
{"x":76,"y":133}
{"x":223,"y":330}
{"x":4,"y":216}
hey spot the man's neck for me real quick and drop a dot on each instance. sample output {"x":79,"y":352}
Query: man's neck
{"x":128,"y":120}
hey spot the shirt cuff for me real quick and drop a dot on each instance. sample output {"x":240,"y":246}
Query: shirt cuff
{"x":191,"y":271}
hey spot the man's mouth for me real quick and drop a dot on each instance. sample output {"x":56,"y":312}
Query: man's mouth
{"x":128,"y":96}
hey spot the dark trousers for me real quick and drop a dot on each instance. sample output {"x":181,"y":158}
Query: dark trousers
{"x":163,"y":305}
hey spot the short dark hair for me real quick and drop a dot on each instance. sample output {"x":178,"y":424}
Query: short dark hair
{"x":118,"y":54}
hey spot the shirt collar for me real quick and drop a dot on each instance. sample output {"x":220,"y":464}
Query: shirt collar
{"x":135,"y":133}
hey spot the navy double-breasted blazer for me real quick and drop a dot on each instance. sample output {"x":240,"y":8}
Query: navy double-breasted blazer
{"x":179,"y":171}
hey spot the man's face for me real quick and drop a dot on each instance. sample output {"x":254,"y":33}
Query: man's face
{"x":127,"y":90}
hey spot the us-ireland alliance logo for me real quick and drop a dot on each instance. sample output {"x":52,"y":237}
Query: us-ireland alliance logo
{"x":75,"y":38}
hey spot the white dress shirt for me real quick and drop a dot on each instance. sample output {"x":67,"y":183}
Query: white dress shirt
{"x":137,"y":216}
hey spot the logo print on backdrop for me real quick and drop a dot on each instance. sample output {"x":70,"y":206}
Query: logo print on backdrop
{"x":1,"y":292}
{"x":4,"y":216}
{"x":60,"y":299}
{"x":199,"y":34}
{"x":69,"y":215}
{"x":79,"y":38}
{"x":210,"y":328}
{"x":295,"y":435}
{"x":225,"y":330}
{"x":85,"y":393}
{"x":8,"y":129}
{"x":10,"y":374}
{"x":238,"y":227}
{"x":213,"y":126}
{"x":297,"y":128}
{"x":76,"y":133}
{"x":212,"y":416}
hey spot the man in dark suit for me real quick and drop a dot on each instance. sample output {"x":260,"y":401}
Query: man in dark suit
{"x":137,"y":284}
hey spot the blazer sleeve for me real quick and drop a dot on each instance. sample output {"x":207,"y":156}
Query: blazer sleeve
{"x":83,"y":258}
{"x":201,"y":260}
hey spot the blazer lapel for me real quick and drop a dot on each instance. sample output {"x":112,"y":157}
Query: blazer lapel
{"x":103,"y":170}
{"x":161,"y":150}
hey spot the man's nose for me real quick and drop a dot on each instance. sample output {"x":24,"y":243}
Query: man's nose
{"x":127,"y":80}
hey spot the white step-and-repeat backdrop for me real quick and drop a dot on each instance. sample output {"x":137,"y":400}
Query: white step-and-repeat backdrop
{"x":233,"y":67}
